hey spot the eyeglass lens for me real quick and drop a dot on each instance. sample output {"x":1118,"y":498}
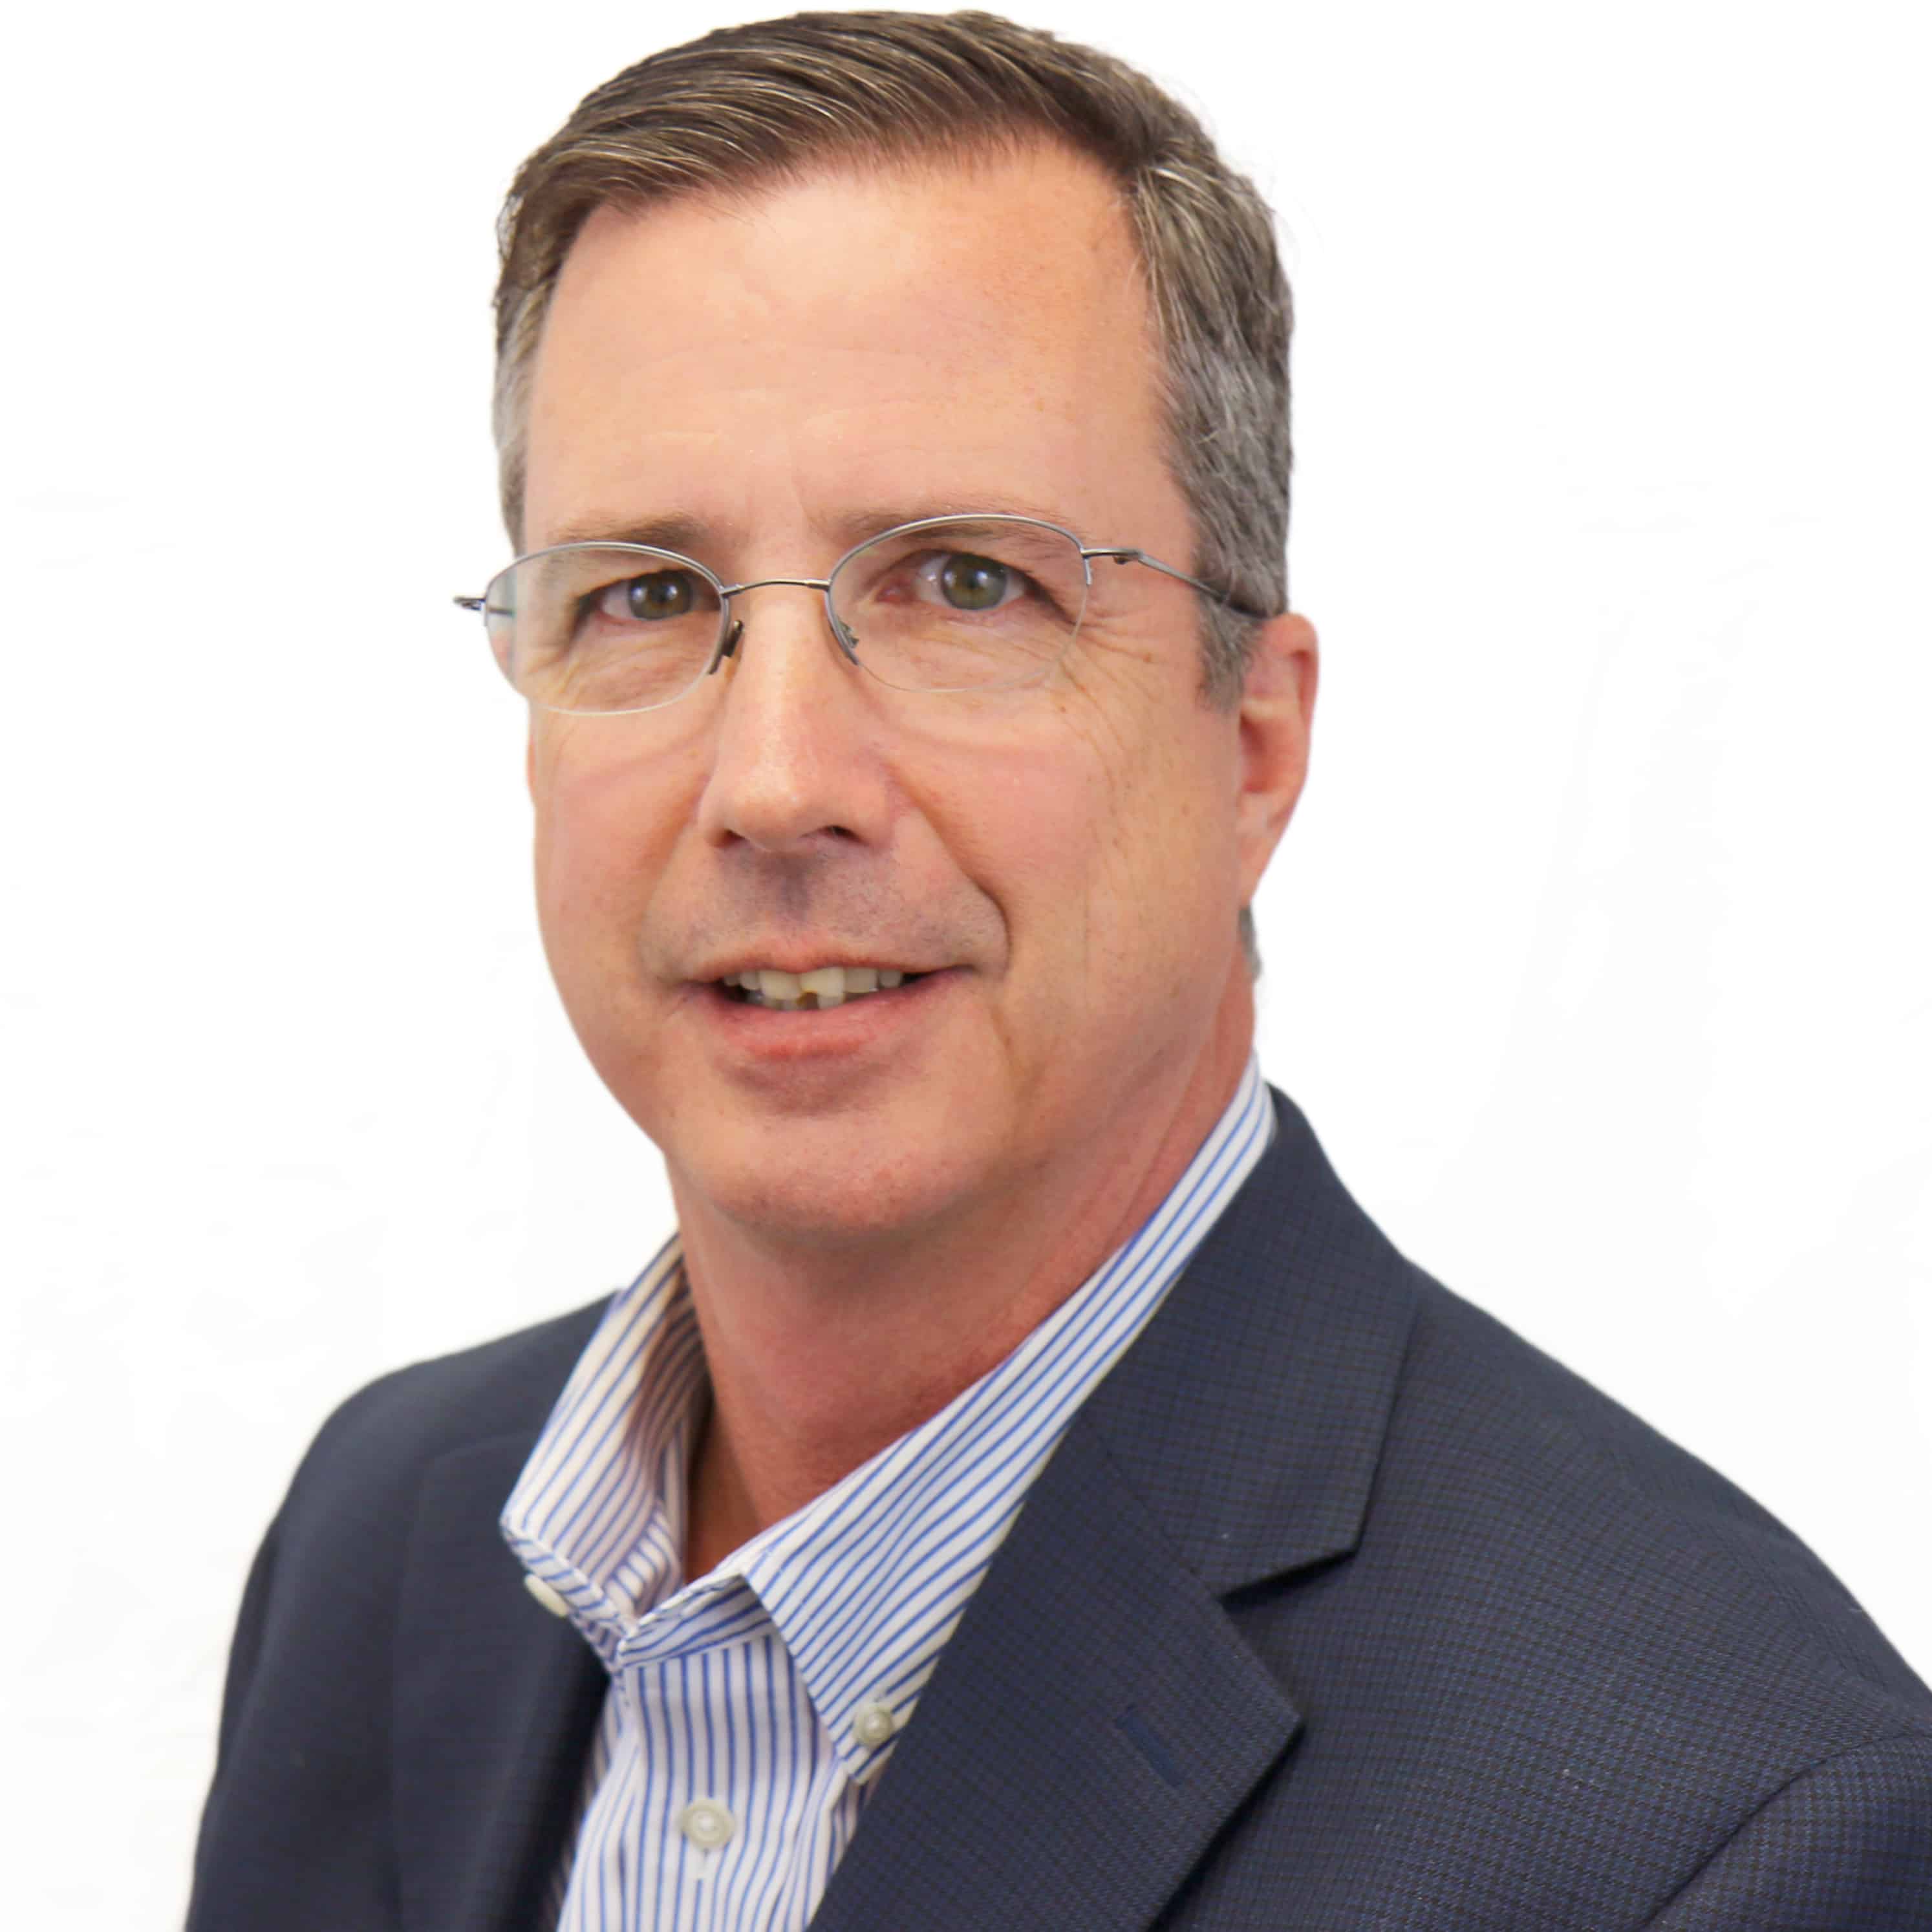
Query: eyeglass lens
{"x":961,"y":604}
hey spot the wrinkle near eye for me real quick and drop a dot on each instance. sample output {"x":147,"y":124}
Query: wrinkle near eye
{"x":1107,"y":661}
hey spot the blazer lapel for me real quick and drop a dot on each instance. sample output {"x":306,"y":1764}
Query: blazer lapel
{"x":496,"y":1702}
{"x":1251,"y":1413}
{"x":1096,"y":1720}
{"x":1092,"y":1724}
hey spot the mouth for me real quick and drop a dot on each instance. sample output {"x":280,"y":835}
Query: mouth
{"x":815,"y":990}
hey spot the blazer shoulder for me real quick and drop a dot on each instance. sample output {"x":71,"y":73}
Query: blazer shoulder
{"x":338,"y":1545}
{"x":1562,"y":1637}
{"x":1665,"y":1567}
{"x":302,"y":1797}
{"x":388,"y":1431}
{"x":1846,"y":1842}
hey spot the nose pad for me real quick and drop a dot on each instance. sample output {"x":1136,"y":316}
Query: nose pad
{"x":845,"y":637}
{"x":725,"y":649}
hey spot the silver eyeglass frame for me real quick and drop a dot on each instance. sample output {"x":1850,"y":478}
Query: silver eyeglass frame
{"x":731,"y":629}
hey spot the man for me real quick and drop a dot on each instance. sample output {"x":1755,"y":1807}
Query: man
{"x":1028,"y":1492}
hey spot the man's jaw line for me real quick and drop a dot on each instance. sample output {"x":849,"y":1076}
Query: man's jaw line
{"x":797,"y":1315}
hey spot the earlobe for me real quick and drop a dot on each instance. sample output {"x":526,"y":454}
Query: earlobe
{"x":1277,"y":716}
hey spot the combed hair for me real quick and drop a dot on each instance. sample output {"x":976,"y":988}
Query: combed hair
{"x":775,"y":100}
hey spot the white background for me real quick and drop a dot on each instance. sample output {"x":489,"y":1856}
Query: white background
{"x":1600,"y":954}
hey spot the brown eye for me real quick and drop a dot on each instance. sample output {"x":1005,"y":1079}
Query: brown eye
{"x":664,"y":593}
{"x":970,"y":582}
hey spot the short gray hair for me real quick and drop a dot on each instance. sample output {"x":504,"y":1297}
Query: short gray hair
{"x":775,"y":99}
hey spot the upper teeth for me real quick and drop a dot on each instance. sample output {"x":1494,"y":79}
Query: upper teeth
{"x":832,"y":985}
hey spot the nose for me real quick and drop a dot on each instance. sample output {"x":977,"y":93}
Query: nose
{"x":798,"y":751}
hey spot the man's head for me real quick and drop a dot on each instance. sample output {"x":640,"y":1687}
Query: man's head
{"x":746,"y":107}
{"x":778,"y":288}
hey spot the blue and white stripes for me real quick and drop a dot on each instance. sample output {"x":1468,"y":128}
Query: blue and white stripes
{"x":752,"y":1710}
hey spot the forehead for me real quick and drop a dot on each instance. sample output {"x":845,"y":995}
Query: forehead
{"x":935,"y":336}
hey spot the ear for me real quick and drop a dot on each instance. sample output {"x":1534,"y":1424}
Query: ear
{"x":1276,"y":716}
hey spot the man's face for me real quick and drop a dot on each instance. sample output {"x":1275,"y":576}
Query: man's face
{"x":1061,"y":865}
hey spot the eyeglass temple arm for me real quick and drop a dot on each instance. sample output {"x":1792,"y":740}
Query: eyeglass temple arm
{"x":1223,"y":597}
{"x":467,"y":603}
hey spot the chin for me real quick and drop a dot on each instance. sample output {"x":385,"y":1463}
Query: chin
{"x":827,"y":1194}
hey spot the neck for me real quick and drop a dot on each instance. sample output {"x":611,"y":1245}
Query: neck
{"x":819,"y":1359}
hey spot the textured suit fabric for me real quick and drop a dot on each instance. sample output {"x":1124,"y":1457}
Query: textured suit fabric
{"x":1338,"y":1606}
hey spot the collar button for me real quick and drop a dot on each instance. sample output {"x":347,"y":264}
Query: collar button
{"x":873,"y":1723}
{"x":545,"y":1595}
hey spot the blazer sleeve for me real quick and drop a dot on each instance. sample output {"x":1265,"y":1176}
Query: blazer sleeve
{"x":1845,"y":1846}
{"x":300,"y":1791}
{"x":246,"y":1650}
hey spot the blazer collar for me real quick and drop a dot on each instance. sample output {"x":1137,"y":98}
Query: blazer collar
{"x":1249,"y":1418}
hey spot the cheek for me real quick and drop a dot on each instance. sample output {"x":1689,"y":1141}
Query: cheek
{"x":1162,"y":895}
{"x":1157,"y":791}
{"x":1094,"y":839}
{"x":601,"y":839}
{"x":1020,"y":814}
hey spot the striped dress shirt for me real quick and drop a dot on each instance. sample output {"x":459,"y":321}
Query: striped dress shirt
{"x":752,"y":1710}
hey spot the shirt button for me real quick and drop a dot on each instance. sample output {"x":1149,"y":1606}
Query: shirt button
{"x":706,"y":1823}
{"x":545,"y":1595}
{"x":873,"y":1723}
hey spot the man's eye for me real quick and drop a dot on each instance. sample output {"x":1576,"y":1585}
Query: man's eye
{"x":967,"y":582}
{"x":651,"y":599}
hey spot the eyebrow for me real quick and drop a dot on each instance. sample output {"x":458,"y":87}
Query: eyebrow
{"x":692,"y":536}
{"x":675,"y":533}
{"x":860,"y":524}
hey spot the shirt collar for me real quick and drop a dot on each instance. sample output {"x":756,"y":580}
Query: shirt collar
{"x":867,"y":1581}
{"x":597,"y":1515}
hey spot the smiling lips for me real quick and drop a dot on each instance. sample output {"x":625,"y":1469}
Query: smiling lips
{"x":815,"y":990}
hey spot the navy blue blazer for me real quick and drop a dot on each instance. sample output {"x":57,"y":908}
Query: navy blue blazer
{"x":1339,"y":1607}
